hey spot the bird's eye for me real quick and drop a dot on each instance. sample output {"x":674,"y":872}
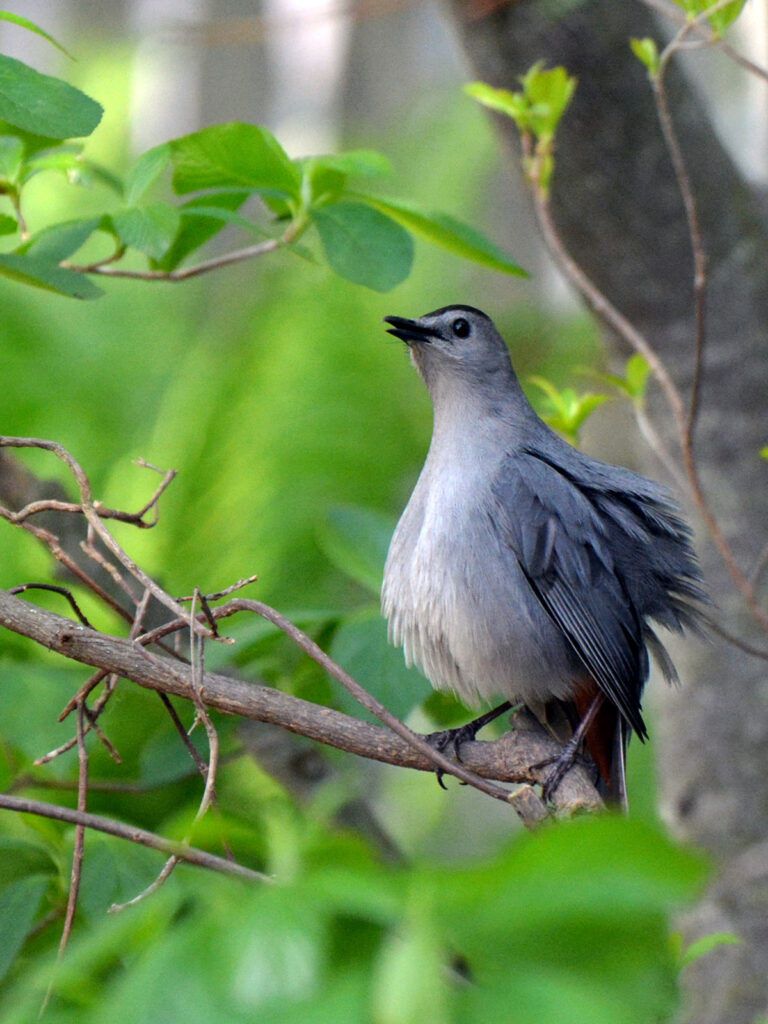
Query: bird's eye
{"x":461,"y":328}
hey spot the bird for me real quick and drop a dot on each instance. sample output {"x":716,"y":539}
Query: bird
{"x":523,"y":568}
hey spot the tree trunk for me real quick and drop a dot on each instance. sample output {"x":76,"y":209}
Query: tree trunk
{"x":620,"y":214}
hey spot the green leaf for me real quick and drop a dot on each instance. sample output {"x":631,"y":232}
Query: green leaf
{"x":236,"y":155}
{"x":360,"y":645}
{"x":568,"y":410}
{"x":445,"y":231}
{"x":504,"y":101}
{"x":19,"y":903}
{"x":65,"y":161}
{"x":356,"y":541}
{"x":20,"y":858}
{"x":145,"y":172}
{"x":49,"y":276}
{"x":764,"y":452}
{"x":363,"y":245}
{"x":637,"y":373}
{"x":647,"y":52}
{"x":44,"y":105}
{"x":536,"y":111}
{"x":720,"y":19}
{"x":59,"y":242}
{"x":227,"y":216}
{"x":11,"y":157}
{"x":700,"y":947}
{"x":548,"y":94}
{"x":8,"y":225}
{"x":366,"y":163}
{"x":30,"y":26}
{"x":540,"y":105}
{"x":594,"y":949}
{"x":196,"y":230}
{"x":410,"y":982}
{"x":150,"y":229}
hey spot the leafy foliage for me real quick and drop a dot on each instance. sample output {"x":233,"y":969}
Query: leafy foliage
{"x":365,"y":239}
{"x":341,"y":936}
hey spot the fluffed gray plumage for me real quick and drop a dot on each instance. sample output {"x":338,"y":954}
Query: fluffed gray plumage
{"x":522,"y":568}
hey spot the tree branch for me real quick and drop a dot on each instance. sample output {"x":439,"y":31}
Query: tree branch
{"x":132,"y":833}
{"x":508,"y":759}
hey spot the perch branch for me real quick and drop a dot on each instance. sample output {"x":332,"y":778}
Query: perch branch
{"x":508,"y":759}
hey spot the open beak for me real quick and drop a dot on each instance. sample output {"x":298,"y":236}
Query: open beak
{"x":409,"y":331}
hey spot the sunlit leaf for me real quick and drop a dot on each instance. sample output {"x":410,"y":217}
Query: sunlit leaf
{"x":363,"y":245}
{"x":503,"y":101}
{"x":236,"y":155}
{"x":447,"y":232}
{"x":707,"y":943}
{"x":647,"y":52}
{"x":720,"y":16}
{"x":637,"y":373}
{"x":366,"y":163}
{"x":44,"y":105}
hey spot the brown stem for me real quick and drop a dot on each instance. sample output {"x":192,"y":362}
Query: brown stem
{"x":130,"y":832}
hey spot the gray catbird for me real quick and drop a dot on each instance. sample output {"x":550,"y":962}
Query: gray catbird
{"x":522,"y":568}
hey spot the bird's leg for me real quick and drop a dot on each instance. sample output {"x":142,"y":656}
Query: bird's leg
{"x":455,"y":737}
{"x":566,"y":760}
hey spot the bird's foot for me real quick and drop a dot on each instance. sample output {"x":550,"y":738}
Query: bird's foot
{"x":570,"y":753}
{"x":452,"y":739}
{"x":561,"y":765}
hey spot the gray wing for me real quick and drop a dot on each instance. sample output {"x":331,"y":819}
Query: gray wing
{"x":587,"y":553}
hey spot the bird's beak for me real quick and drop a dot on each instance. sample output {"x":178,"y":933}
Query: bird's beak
{"x":409,"y":331}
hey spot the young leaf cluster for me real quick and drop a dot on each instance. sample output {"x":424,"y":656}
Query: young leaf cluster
{"x":364,"y":237}
{"x":537,"y":109}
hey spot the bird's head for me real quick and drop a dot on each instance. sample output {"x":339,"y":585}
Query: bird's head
{"x":456,"y":346}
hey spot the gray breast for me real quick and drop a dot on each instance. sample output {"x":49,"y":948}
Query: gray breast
{"x":456,"y":598}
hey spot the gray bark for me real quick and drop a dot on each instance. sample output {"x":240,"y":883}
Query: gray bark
{"x":619,"y":212}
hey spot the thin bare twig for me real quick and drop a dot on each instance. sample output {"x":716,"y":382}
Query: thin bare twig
{"x":132,"y":833}
{"x":91,"y":514}
{"x":165,"y":873}
{"x":223,"y":593}
{"x":184,"y":273}
{"x":79,"y":847}
{"x":694,"y":231}
{"x":369,"y":702}
{"x":626,"y":330}
{"x":704,"y":31}
{"x":64,"y":591}
{"x":209,"y":770}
